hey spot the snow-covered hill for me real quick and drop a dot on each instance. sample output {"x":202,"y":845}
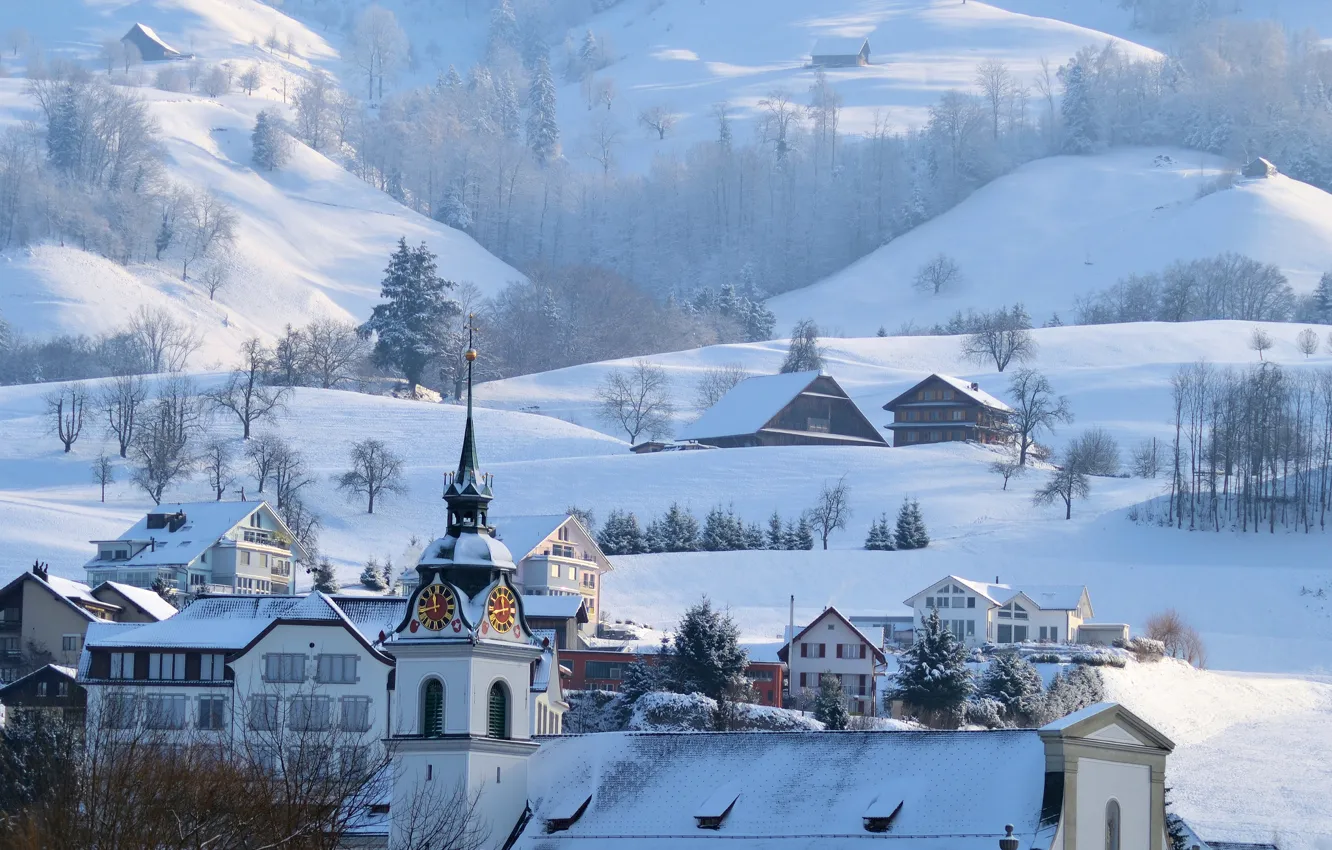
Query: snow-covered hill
{"x":1068,"y":226}
{"x":312,"y":239}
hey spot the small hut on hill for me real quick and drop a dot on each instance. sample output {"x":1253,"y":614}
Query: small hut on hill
{"x":1260,"y":168}
{"x":150,"y":45}
{"x":834,"y":52}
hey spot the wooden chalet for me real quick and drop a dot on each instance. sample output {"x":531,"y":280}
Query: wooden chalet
{"x":835,"y":52}
{"x":796,"y":409}
{"x":150,"y":45}
{"x":944,"y":409}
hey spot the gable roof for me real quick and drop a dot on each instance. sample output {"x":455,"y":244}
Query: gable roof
{"x":555,"y":607}
{"x":74,"y":594}
{"x":1047,"y":597}
{"x":835,"y":45}
{"x":791,"y":789}
{"x":145,"y":600}
{"x":59,"y":669}
{"x":523,"y":534}
{"x":976,"y":394}
{"x":784,"y":652}
{"x":1100,"y":715}
{"x":749,"y":405}
{"x":143,"y":32}
{"x":205,"y":523}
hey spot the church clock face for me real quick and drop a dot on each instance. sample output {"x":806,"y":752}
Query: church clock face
{"x":435,"y":607}
{"x":501,"y":610}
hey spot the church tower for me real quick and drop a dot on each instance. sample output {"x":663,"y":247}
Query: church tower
{"x":464,"y":666}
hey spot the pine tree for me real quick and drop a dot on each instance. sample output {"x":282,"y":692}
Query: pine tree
{"x":324,"y":578}
{"x":830,"y":704}
{"x":920,"y":537}
{"x":639,"y":678}
{"x":508,"y":113}
{"x":504,"y":30}
{"x":679,"y":530}
{"x":932,"y":675}
{"x":707,"y":657}
{"x":881,"y":537}
{"x":543,"y":130}
{"x":454,"y":210}
{"x":804,"y":533}
{"x":620,"y":534}
{"x":1076,"y":111}
{"x":372,"y":576}
{"x":163,"y":588}
{"x":754,"y":537}
{"x":589,"y":54}
{"x":776,"y":539}
{"x":1322,"y":297}
{"x":388,"y":572}
{"x":716,"y":535}
{"x":1013,"y":681}
{"x":654,"y":538}
{"x":63,"y":132}
{"x":411,"y":325}
{"x":910,"y":532}
{"x":271,"y":146}
{"x":452,"y":82}
{"x":791,"y":537}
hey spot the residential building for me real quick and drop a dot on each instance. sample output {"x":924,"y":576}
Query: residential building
{"x":562,"y":616}
{"x":1099,"y":772}
{"x":943,"y":409}
{"x":894,"y":630}
{"x":980,"y":612}
{"x":832,"y":645}
{"x":150,"y":46}
{"x":836,"y":52}
{"x":52,"y":689}
{"x":43,"y":618}
{"x":203,"y":547}
{"x":603,"y":670}
{"x":796,"y":409}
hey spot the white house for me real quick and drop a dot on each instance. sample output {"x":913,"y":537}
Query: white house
{"x":831,"y":644}
{"x":203,"y":547}
{"x":979,"y":612}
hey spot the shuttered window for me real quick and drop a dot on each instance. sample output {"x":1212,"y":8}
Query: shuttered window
{"x":432,"y":711}
{"x":498,"y":716}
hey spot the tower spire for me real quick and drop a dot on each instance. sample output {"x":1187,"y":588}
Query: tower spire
{"x":468,"y":493}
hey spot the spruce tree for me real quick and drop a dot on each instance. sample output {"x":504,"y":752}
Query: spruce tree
{"x":830,"y":704}
{"x":271,"y":147}
{"x":639,"y":678}
{"x":754,"y":538}
{"x":707,"y":657}
{"x":804,"y":538}
{"x":324,"y":578}
{"x":372,"y":576}
{"x":451,"y":81}
{"x":932,"y":675}
{"x":679,"y":530}
{"x":589,"y":53}
{"x":504,"y":30}
{"x":1013,"y":681}
{"x":911,"y":532}
{"x":881,"y":537}
{"x":620,"y":535}
{"x":654,"y":538}
{"x":543,"y":130}
{"x":63,"y":132}
{"x":1076,"y":110}
{"x":388,"y":572}
{"x":920,"y":538}
{"x":716,"y":535}
{"x":775,"y":539}
{"x":1322,"y":299}
{"x":411,"y":326}
{"x":790,"y":536}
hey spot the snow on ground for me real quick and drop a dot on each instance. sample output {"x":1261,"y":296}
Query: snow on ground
{"x":1063,"y":227}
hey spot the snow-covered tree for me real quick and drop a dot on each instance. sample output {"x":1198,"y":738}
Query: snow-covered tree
{"x":504,"y":31}
{"x":677,"y":530}
{"x":804,"y":534}
{"x":621,"y":535}
{"x":410,"y":326}
{"x":543,"y":129}
{"x":706,"y":654}
{"x":1077,"y":110}
{"x":830,"y":704}
{"x":454,"y":210}
{"x":804,"y":354}
{"x":1071,"y":691}
{"x":775,"y":538}
{"x":933,"y":676}
{"x":910,"y":532}
{"x":1322,"y":299}
{"x":323,"y":576}
{"x":372,"y":576}
{"x":272,"y":145}
{"x":881,"y":537}
{"x":1014,"y":682}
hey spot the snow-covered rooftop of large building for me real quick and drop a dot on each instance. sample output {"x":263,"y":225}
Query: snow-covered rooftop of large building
{"x":204,"y":523}
{"x":522,"y":533}
{"x":748,"y":406}
{"x":973,"y":391}
{"x":957,"y":790}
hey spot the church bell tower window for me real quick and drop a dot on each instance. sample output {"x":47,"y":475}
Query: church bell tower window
{"x":497,"y":719}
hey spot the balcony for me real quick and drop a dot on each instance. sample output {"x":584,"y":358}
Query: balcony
{"x":261,"y":537}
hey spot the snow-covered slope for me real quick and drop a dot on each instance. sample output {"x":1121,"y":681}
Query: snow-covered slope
{"x":1067,"y":226}
{"x":312,"y":238}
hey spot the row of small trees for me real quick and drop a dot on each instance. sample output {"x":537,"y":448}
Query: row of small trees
{"x":679,"y":531}
{"x":907,"y":533}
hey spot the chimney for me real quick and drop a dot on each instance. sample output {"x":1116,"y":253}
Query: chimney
{"x":975,"y":386}
{"x":175,"y":521}
{"x":1008,"y":842}
{"x":996,"y":579}
{"x":42,"y":571}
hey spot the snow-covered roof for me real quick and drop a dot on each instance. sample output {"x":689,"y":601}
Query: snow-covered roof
{"x":748,"y":405}
{"x":791,"y":788}
{"x":831,"y":611}
{"x":522,"y":534}
{"x":74,"y":594}
{"x":151,"y":35}
{"x":75,"y":591}
{"x":205,"y":523}
{"x":146,"y":600}
{"x":1049,"y":597}
{"x":965,"y":387}
{"x":834,"y":45}
{"x":551,"y":607}
{"x":68,"y":672}
{"x":100,"y":631}
{"x":468,"y":550}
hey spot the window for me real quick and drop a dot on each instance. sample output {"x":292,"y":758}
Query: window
{"x":554,"y":570}
{"x":9,"y":645}
{"x":264,"y":713}
{"x":119,"y":710}
{"x":497,"y":715}
{"x":971,"y":602}
{"x":604,"y":670}
{"x":1005,"y":633}
{"x":284,"y":667}
{"x":929,"y":601}
{"x":759,"y":675}
{"x":971,"y":628}
{"x":356,"y":714}
{"x":166,"y":665}
{"x":934,"y":436}
{"x":1013,"y":611}
{"x":959,"y":415}
{"x":1019,"y":634}
{"x":307,"y":713}
{"x":812,"y":650}
{"x":912,"y":437}
{"x":245,"y":557}
{"x":212,"y":666}
{"x":432,"y":709}
{"x":934,"y":416}
{"x":1112,"y":825}
{"x":589,"y":579}
{"x":948,"y":395}
{"x":564,"y":533}
{"x":41,"y":690}
{"x":850,"y":650}
{"x":336,"y":669}
{"x":165,"y":711}
{"x":62,"y":689}
{"x":573,"y":573}
{"x":71,"y":643}
{"x":212,"y":712}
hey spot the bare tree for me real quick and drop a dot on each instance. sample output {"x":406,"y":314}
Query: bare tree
{"x":1002,"y":337}
{"x":247,"y":392}
{"x":1095,"y":452}
{"x":1307,"y":342}
{"x":1146,"y":459}
{"x":252,"y":79}
{"x":215,"y":278}
{"x":1260,"y":341}
{"x":637,"y":400}
{"x":16,"y":39}
{"x":164,"y":343}
{"x":65,"y":406}
{"x":601,"y":141}
{"x":997,"y":88}
{"x":659,"y":119}
{"x":206,"y":225}
{"x":832,"y":509}
{"x":289,"y":475}
{"x":937,"y":275}
{"x":1008,"y":466}
{"x":605,"y":92}
{"x":218,"y":461}
{"x":332,"y":350}
{"x":216,"y":82}
{"x":780,"y":116}
{"x":103,"y":473}
{"x":1067,"y":483}
{"x":376,"y":470}
{"x":1179,"y":638}
{"x":1036,"y":408}
{"x":379,"y":46}
{"x":161,"y":449}
{"x":716,"y":383}
{"x":262,"y":452}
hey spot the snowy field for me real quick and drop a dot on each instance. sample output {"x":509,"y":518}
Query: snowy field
{"x":1067,"y":226}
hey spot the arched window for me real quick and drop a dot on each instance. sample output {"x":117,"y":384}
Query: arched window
{"x":1112,"y":825}
{"x":432,"y":709}
{"x":497,"y":717}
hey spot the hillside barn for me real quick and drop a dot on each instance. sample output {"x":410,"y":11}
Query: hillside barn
{"x":834,"y":52}
{"x":943,"y":409}
{"x":797,"y":409}
{"x":150,"y":45}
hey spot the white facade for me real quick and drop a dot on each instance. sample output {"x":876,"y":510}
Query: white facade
{"x":978,"y":612}
{"x":832,"y":645}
